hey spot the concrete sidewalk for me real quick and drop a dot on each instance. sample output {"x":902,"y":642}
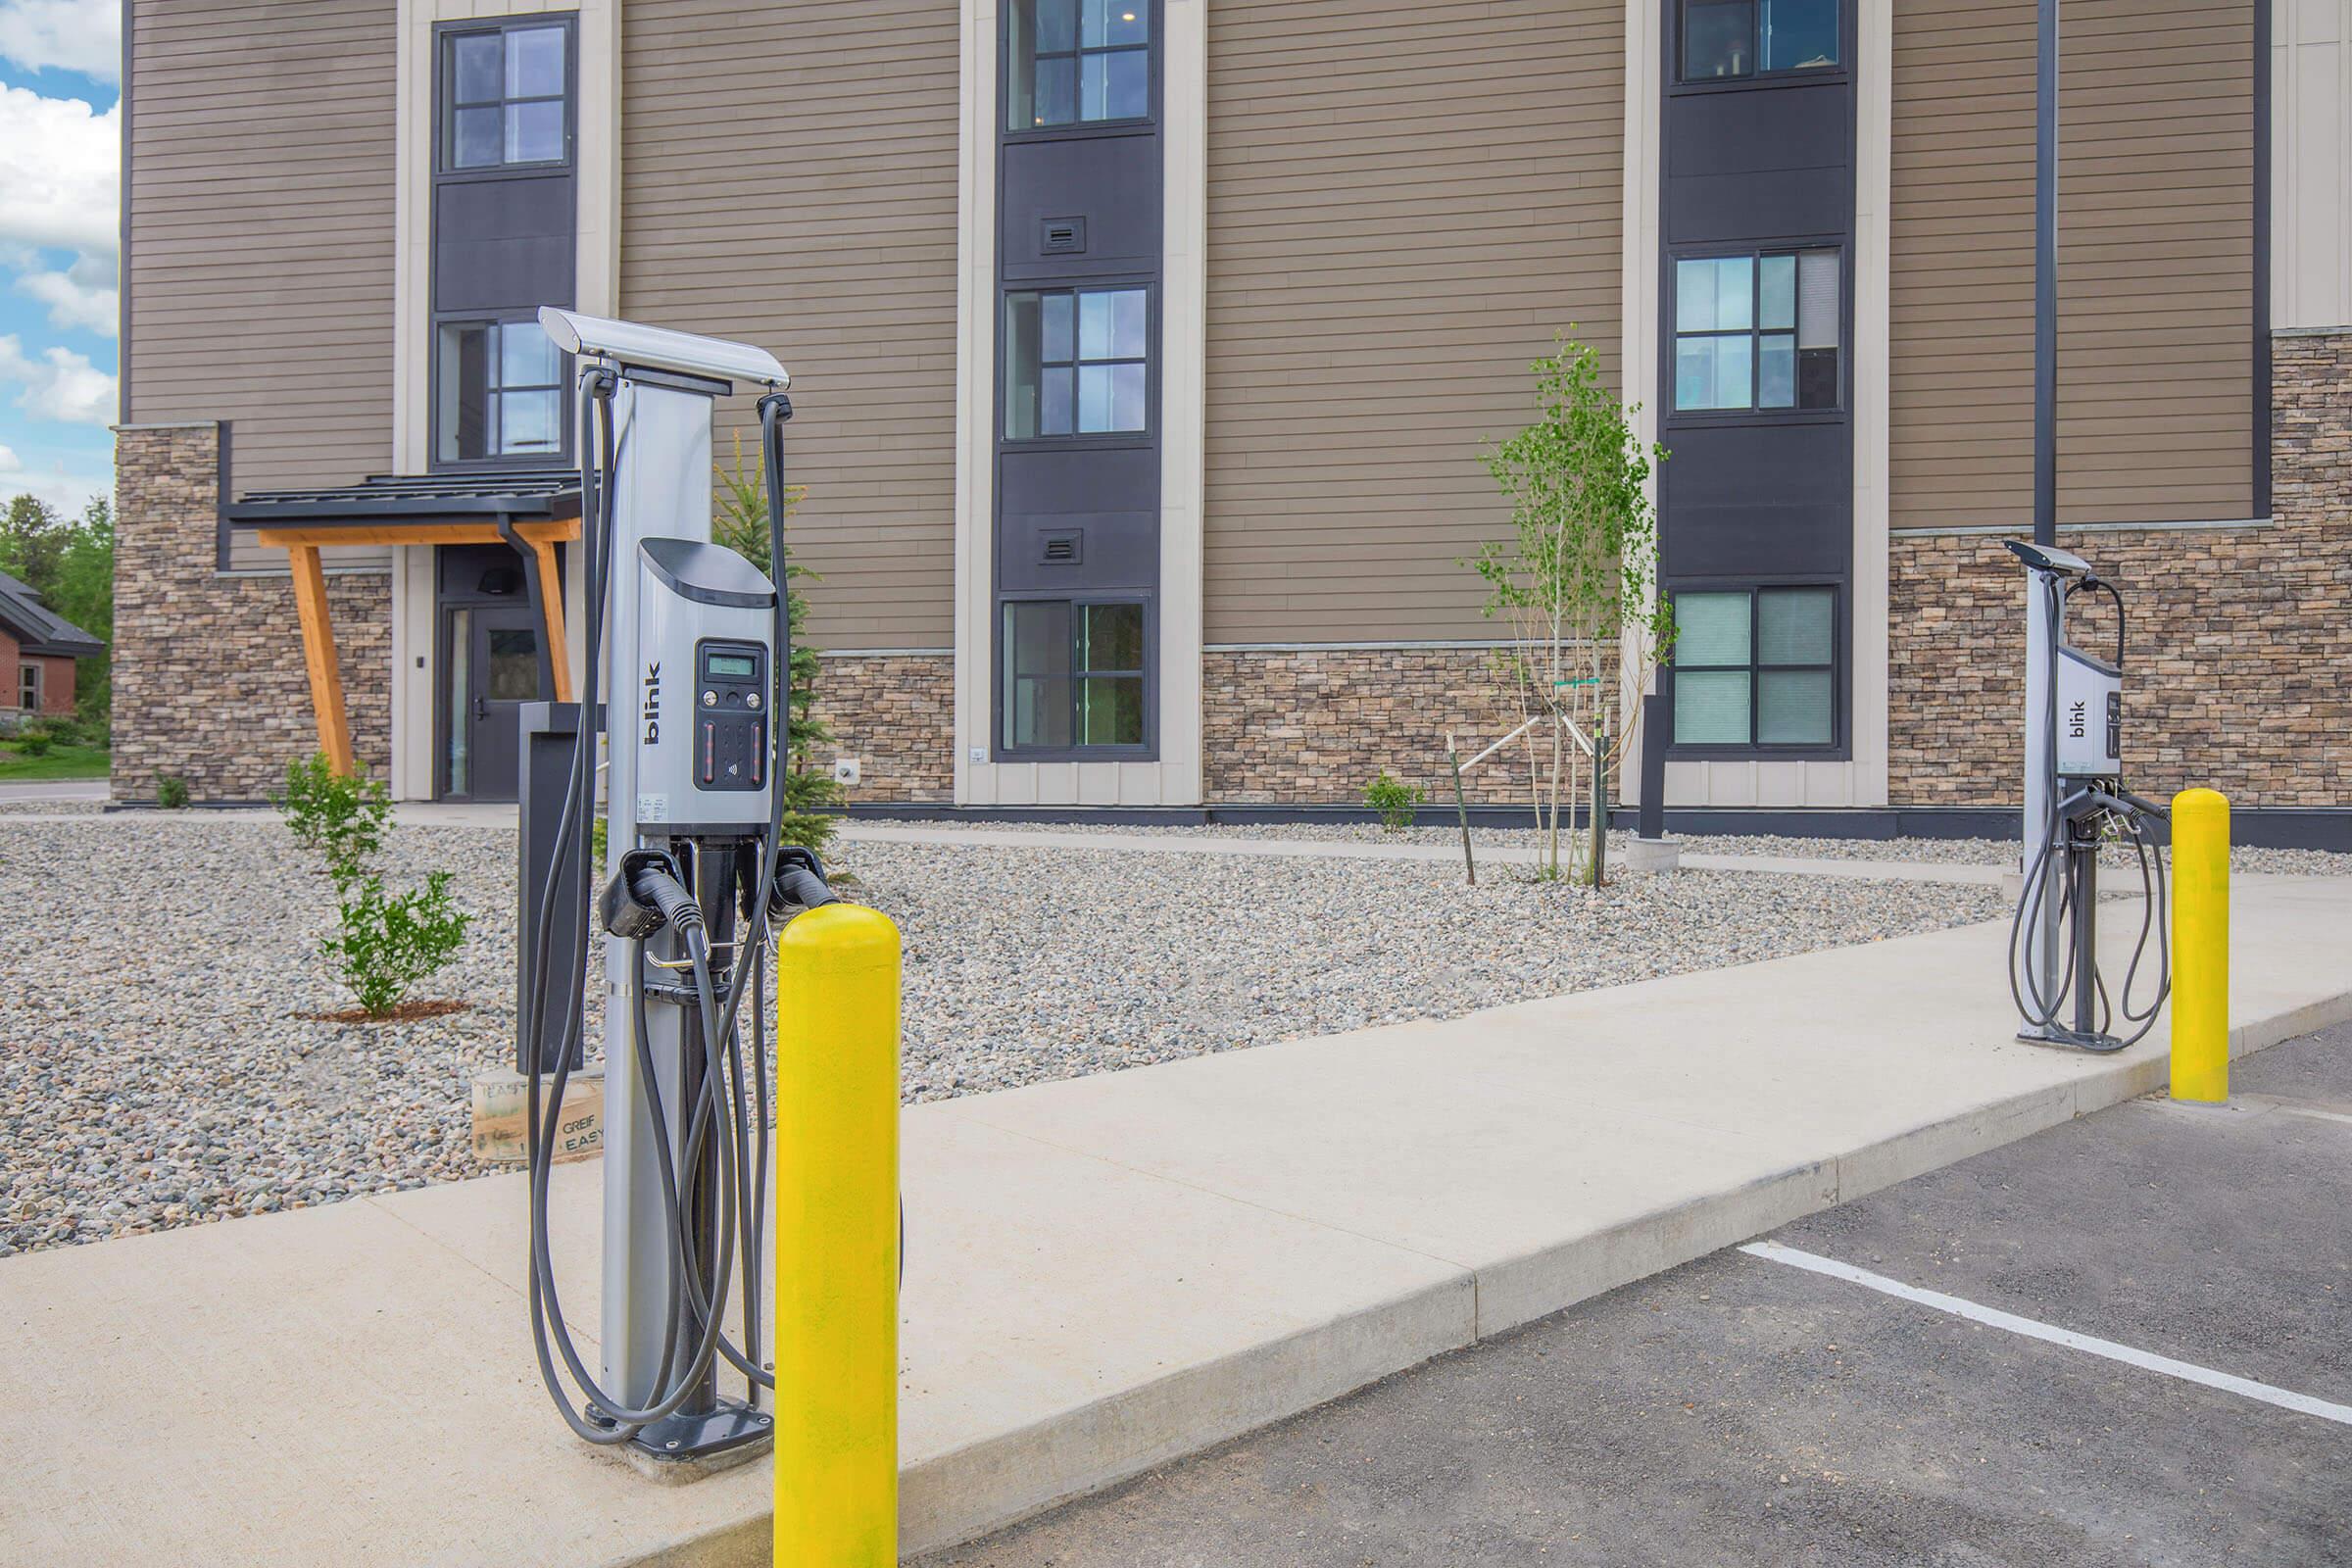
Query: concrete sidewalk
{"x":1103,"y":1274}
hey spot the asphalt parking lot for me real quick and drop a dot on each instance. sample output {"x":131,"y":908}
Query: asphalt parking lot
{"x":2125,"y":1340}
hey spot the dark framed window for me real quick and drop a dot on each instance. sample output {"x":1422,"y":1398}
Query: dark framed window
{"x":1758,"y":330}
{"x":506,"y":96}
{"x":1073,"y":676}
{"x":1724,"y":40}
{"x":28,"y":686}
{"x":498,"y":391}
{"x":1077,"y":62}
{"x":1756,"y":666}
{"x":1077,"y":361}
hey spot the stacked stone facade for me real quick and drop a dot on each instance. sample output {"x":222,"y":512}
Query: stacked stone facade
{"x":209,"y":679}
{"x":896,"y":713}
{"x":2241,"y":639}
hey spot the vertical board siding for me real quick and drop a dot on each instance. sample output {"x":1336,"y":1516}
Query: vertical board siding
{"x":789,"y":178}
{"x":2156,"y":179}
{"x":1405,"y":204}
{"x":2311,"y":201}
{"x":260,"y":269}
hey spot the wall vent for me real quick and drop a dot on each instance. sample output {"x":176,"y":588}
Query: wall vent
{"x":1060,"y":549}
{"x":1062,"y":237}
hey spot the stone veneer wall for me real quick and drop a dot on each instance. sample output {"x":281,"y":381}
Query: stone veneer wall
{"x":209,"y":678}
{"x":896,"y":713}
{"x":2240,"y":667}
{"x":1312,"y":726}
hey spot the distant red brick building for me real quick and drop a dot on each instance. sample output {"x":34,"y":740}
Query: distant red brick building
{"x":38,"y":651}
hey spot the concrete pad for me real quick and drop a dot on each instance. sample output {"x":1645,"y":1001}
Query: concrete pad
{"x":1103,"y":1274}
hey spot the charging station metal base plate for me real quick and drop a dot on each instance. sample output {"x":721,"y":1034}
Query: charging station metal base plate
{"x":733,"y":1431}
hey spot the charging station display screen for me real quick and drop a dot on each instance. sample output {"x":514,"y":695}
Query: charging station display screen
{"x":733,"y":667}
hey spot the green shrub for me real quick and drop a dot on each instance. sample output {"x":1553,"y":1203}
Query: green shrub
{"x":35,"y":743}
{"x":1395,"y":800}
{"x":343,"y":820}
{"x":387,"y":944}
{"x":171,"y":792}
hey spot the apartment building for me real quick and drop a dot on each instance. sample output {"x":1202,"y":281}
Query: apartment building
{"x":1144,"y":351}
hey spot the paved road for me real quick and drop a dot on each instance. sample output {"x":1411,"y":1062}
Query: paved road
{"x":1742,"y":1411}
{"x":59,"y":789}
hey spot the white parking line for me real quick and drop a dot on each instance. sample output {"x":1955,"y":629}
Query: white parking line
{"x":2146,"y":1360}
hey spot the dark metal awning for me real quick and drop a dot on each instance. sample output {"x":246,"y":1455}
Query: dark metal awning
{"x":518,"y":495}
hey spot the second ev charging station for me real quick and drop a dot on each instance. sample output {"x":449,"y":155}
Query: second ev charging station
{"x":2075,"y":802}
{"x":688,"y":649}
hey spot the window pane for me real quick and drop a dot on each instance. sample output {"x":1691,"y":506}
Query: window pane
{"x":1713,"y":373}
{"x":1127,"y":324}
{"x":1037,"y":674}
{"x":1061,"y":338}
{"x":1094,"y":326}
{"x":528,"y":421}
{"x":526,"y":357}
{"x":1817,"y":311}
{"x":1056,"y":416}
{"x":1126,"y":85}
{"x":1792,"y":707}
{"x":462,"y":391}
{"x":474,"y":139}
{"x":1800,"y":35}
{"x":1116,"y":21}
{"x":1735,"y":292}
{"x":513,"y":672}
{"x":476,"y":60}
{"x":535,"y":63}
{"x":1776,"y":371}
{"x":1021,"y":316}
{"x":1129,"y":398}
{"x":535,"y":132}
{"x":1056,"y":26}
{"x":1710,"y":629}
{"x":1695,"y":296}
{"x":1110,"y":637}
{"x":1776,"y":287}
{"x":1796,"y":626}
{"x":1094,"y":398}
{"x":1110,"y":710}
{"x":460,"y":700}
{"x":1710,"y":708}
{"x":1056,"y":91}
{"x":1718,"y":38}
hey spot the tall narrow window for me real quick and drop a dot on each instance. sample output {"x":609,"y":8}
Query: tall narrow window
{"x":1073,"y":676}
{"x":1727,"y":39}
{"x":498,"y":392}
{"x":1755,"y":668}
{"x":1077,"y":361}
{"x":1078,"y":62}
{"x":1758,"y":331}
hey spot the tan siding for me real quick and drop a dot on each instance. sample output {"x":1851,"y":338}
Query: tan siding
{"x":789,"y":177}
{"x":260,"y":243}
{"x":2155,"y":262}
{"x":1405,"y":203}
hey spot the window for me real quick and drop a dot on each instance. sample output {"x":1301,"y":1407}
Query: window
{"x":1076,"y":363}
{"x":1725,"y":39}
{"x":498,"y":392}
{"x":1078,"y":62}
{"x":505,"y":98}
{"x":1758,"y":331}
{"x":28,"y":686}
{"x":1073,"y":676}
{"x":1756,"y":668}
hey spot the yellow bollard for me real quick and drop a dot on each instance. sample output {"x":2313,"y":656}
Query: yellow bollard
{"x":837,"y":1240}
{"x":2201,"y":946}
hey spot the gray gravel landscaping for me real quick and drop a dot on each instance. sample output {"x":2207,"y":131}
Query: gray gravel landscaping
{"x":154,"y":1071}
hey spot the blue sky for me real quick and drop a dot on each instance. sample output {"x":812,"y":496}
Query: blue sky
{"x":60,"y":145}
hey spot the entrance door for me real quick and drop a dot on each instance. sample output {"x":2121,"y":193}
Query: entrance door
{"x":493,"y":669}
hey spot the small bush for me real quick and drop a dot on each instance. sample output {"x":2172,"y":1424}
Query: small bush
{"x":341,"y":819}
{"x":35,"y":743}
{"x":171,"y":792}
{"x":1395,"y":800}
{"x":386,"y":945}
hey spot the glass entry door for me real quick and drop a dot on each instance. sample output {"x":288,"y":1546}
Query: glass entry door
{"x":491,"y":669}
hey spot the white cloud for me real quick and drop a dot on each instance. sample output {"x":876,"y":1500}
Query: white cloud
{"x":67,"y":492}
{"x":81,"y":296}
{"x":59,"y":173}
{"x":84,"y":35}
{"x":59,"y":384}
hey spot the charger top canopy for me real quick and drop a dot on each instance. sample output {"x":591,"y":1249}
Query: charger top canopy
{"x":659,"y":348}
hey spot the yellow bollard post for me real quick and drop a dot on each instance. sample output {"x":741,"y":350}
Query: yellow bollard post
{"x":837,"y":1240}
{"x":2201,"y":946}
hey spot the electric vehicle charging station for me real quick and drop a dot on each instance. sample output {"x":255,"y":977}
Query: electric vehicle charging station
{"x":2074,"y":800}
{"x":691,"y":643}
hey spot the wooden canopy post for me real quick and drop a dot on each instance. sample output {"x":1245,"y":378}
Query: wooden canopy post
{"x":318,"y":658}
